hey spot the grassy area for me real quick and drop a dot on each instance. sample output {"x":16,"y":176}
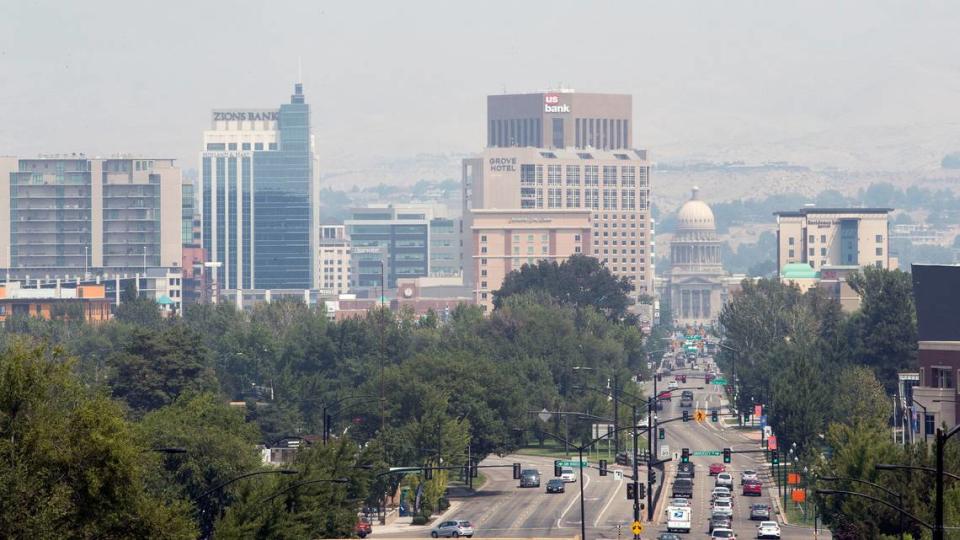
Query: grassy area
{"x":796,"y":515}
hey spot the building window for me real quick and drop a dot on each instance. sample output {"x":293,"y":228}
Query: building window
{"x":629,"y":199}
{"x":823,"y":252}
{"x":528,"y":175}
{"x":823,"y":238}
{"x":811,"y":251}
{"x":929,"y":422}
{"x":483,"y":238}
{"x":879,"y":252}
{"x":942,"y":377}
{"x":609,"y":199}
{"x":591,"y":175}
{"x":879,"y":238}
{"x":573,"y":198}
{"x":558,"y":133}
{"x":609,"y":175}
{"x":573,"y":175}
{"x":592,"y":198}
{"x":554,"y":198}
{"x":791,"y":254}
{"x":790,"y":241}
{"x":628,"y":176}
{"x":553,"y":174}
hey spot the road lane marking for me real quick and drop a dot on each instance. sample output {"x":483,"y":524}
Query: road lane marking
{"x":585,"y":478}
{"x":613,"y":495}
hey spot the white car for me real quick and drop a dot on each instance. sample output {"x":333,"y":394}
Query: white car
{"x":723,"y":534}
{"x":727,"y":499}
{"x":720,"y":492}
{"x":748,"y":475}
{"x":723,"y":508}
{"x":567,"y":474}
{"x":679,"y":502}
{"x":768,"y":529}
{"x":725,"y":480}
{"x":673,"y":385}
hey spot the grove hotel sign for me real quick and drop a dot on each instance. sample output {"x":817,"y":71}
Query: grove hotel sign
{"x":551,"y":104}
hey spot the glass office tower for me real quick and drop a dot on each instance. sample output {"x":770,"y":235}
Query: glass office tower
{"x":258,"y":197}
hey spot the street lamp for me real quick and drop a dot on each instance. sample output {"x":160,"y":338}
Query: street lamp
{"x":879,"y":500}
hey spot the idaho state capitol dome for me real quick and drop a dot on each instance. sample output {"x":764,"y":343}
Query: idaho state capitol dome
{"x":695,"y":214}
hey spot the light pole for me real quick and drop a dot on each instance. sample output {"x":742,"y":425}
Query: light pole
{"x":327,"y":420}
{"x":881,"y":501}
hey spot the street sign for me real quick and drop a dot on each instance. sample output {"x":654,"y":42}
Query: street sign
{"x":699,"y":416}
{"x":718,"y":381}
{"x":758,"y":410}
{"x":637,"y":527}
{"x":618,"y":475}
{"x":706,"y":453}
{"x":579,"y":464}
{"x":664,"y":451}
{"x":772,"y":442}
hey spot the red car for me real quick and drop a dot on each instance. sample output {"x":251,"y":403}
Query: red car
{"x":363,"y":528}
{"x":717,"y":468}
{"x":665,"y":396}
{"x":752,"y":487}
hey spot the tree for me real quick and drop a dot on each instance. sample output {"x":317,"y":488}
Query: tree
{"x":580,"y":281}
{"x":884,"y":330}
{"x":156,"y":367}
{"x":219,"y":446}
{"x":70,"y":465}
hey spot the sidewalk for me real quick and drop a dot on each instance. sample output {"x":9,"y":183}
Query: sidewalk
{"x":404,"y":524}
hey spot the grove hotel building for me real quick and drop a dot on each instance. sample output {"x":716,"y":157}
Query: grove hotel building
{"x":505,"y":240}
{"x":612,"y":186}
{"x":851,"y":237}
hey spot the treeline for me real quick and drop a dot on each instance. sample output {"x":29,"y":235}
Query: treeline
{"x":463,"y":387}
{"x":826,"y":379}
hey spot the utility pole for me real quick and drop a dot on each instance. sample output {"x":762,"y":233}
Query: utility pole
{"x":616,"y":410}
{"x":636,"y":468}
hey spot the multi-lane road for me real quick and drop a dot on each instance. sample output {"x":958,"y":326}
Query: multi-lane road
{"x":502,"y":509}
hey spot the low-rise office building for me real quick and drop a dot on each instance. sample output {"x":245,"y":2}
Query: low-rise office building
{"x":834,"y":237}
{"x":88,"y":302}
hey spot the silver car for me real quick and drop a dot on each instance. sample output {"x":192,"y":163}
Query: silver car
{"x":452,"y":529}
{"x":747,"y":476}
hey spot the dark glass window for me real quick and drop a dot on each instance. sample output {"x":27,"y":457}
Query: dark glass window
{"x":216,"y":146}
{"x":558,"y":132}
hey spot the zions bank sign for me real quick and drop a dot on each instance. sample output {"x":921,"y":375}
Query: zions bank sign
{"x":551,"y":104}
{"x":230,"y":116}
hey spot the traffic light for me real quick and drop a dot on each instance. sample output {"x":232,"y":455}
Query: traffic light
{"x":774,"y":458}
{"x":516,"y":471}
{"x":603,"y":467}
{"x":631,"y":494}
{"x":714,"y":416}
{"x":557,"y":469}
{"x":427,"y":473}
{"x":726,"y":455}
{"x":685,"y":455}
{"x":474,"y":470}
{"x":683,"y":379}
{"x":661,"y":433}
{"x":659,"y":377}
{"x":643,"y":491}
{"x":652,"y":477}
{"x":686,"y":415}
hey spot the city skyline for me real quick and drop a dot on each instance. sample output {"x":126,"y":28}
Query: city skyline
{"x":709,"y":82}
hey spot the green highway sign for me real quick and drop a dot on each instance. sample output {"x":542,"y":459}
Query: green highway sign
{"x":580,"y":464}
{"x":718,"y":381}
{"x":707,"y":452}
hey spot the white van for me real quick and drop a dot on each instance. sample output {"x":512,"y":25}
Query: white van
{"x":678,"y":520}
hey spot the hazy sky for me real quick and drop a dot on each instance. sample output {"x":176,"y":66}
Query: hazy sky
{"x":393,"y":79}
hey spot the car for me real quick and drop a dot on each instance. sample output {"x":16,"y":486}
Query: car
{"x":664,"y":396}
{"x":453,"y":528}
{"x":719,"y":521}
{"x":748,"y":475}
{"x":679,"y":501}
{"x":567,"y":474}
{"x":720,"y":492}
{"x":717,"y":468}
{"x":673,"y":385}
{"x":685,"y":475}
{"x":728,"y":499}
{"x":682,"y":488}
{"x":752,"y":488}
{"x":724,"y":508}
{"x":723,"y":534}
{"x":759,"y":512}
{"x":363,"y":527}
{"x":529,"y":478}
{"x":668,"y":536}
{"x":725,"y":479}
{"x":768,"y":529}
{"x":687,"y":467}
{"x":555,"y":485}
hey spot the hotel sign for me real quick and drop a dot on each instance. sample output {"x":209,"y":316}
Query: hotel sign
{"x":551,"y":104}
{"x":228,"y":116}
{"x":503,"y":164}
{"x":530,"y":220}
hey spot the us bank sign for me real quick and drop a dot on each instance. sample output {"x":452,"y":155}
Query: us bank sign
{"x":551,"y":104}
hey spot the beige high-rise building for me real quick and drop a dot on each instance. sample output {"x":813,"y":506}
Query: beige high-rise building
{"x":834,"y":237}
{"x":614,"y":186}
{"x":68,"y":215}
{"x":505,"y":240}
{"x":334,"y":270}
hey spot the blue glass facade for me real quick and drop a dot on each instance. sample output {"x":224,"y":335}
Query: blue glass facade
{"x":257,"y":214}
{"x":281,"y":199}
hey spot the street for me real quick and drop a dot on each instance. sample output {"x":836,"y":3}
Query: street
{"x":502,"y":509}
